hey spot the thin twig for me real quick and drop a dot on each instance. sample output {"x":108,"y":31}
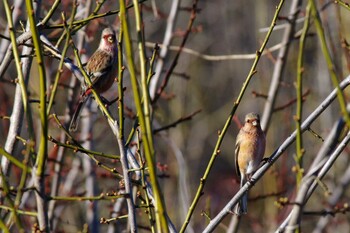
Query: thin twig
{"x":175,"y":123}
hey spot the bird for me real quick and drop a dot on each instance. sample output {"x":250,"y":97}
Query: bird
{"x":102,"y":68}
{"x":249,"y":152}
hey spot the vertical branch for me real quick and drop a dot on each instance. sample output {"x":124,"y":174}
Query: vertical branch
{"x":18,"y":106}
{"x":299,"y":90}
{"x":127,"y":181}
{"x":42,"y":153}
{"x":144,"y":86}
{"x":148,"y":147}
{"x":121,"y":139}
{"x":168,"y":36}
{"x":120,"y":85}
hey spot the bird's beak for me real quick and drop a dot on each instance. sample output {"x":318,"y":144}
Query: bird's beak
{"x":255,"y":123}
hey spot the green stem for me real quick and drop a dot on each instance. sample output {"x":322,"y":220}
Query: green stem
{"x":79,"y":148}
{"x":150,"y":74}
{"x":343,"y":4}
{"x":152,"y":61}
{"x":50,"y":12}
{"x":144,"y":84}
{"x":42,"y":152}
{"x":79,"y":198}
{"x":120,"y":85}
{"x":299,"y":90}
{"x":147,"y":143}
{"x":14,"y":160}
{"x":23,"y":212}
{"x":3,"y":227}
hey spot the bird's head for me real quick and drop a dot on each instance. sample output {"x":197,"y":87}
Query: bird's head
{"x":252,"y":120}
{"x":108,"y":40}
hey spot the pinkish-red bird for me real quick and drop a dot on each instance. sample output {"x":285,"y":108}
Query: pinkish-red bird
{"x":102,"y":67}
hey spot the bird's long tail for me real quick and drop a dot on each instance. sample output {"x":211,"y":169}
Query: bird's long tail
{"x":76,"y":116}
{"x":242,"y":205}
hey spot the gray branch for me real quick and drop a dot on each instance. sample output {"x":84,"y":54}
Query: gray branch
{"x":165,"y":49}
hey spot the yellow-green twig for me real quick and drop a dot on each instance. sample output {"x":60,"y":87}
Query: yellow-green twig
{"x":299,"y":90}
{"x":13,"y":160}
{"x":102,"y":196}
{"x":343,"y":4}
{"x":23,"y":212}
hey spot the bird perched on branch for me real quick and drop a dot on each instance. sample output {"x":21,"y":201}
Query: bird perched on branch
{"x":102,"y":68}
{"x":250,"y":149}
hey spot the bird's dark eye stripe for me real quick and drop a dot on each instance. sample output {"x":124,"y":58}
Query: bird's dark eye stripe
{"x":109,"y":36}
{"x":251,"y":120}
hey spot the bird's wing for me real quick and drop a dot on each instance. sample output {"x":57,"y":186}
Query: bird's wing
{"x":236,"y":155}
{"x":101,"y":66}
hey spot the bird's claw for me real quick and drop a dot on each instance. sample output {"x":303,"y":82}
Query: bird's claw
{"x":265,"y":160}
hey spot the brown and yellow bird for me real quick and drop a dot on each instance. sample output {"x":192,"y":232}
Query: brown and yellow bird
{"x":250,"y":149}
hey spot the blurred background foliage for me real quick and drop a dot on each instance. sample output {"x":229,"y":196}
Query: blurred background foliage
{"x":221,"y":27}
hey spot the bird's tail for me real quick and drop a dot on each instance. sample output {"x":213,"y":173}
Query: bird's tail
{"x":76,"y":116}
{"x":242,"y":205}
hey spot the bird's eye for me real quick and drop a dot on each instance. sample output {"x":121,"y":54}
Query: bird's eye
{"x":248,"y":121}
{"x":110,"y":39}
